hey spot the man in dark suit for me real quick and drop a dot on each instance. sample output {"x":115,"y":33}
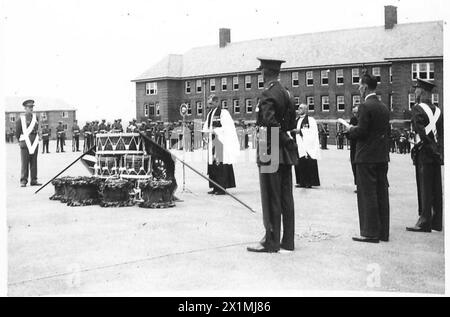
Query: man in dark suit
{"x":354,"y":122}
{"x":371,"y":159}
{"x":27,"y":134}
{"x":427,"y":156}
{"x":275,"y":117}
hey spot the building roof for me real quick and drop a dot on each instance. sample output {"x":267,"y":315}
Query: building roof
{"x":14,"y":104}
{"x":342,"y":47}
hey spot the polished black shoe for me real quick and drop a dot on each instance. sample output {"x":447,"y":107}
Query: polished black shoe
{"x":219,"y":193}
{"x":418,"y":229}
{"x":261,"y":249}
{"x":366,"y":239}
{"x":436,"y":229}
{"x":212,"y":192}
{"x":35,"y":184}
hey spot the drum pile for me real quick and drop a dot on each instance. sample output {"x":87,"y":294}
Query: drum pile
{"x":124,"y":174}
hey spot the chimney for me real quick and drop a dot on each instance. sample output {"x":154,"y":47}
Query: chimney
{"x":224,"y":37}
{"x":390,"y":17}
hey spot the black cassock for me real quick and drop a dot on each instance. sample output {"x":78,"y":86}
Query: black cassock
{"x":306,"y":171}
{"x":221,"y":173}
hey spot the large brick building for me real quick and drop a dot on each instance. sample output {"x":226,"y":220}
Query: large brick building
{"x":321,"y":70}
{"x":49,"y":111}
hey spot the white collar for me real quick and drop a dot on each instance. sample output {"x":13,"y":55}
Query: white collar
{"x":369,"y":95}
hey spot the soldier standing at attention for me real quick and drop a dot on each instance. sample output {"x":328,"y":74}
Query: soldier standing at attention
{"x":60,"y":137}
{"x":75,"y":137}
{"x":45,"y":138}
{"x":275,"y":114}
{"x":27,"y":134}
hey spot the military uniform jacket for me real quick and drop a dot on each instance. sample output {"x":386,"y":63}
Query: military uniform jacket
{"x":430,"y":150}
{"x":60,"y":133}
{"x":275,"y":109}
{"x":46,"y":134}
{"x":372,"y":132}
{"x":33,"y":133}
{"x":76,"y":130}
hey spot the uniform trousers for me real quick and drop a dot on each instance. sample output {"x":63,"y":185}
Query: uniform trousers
{"x":45,"y":146}
{"x":76,"y":140}
{"x":28,"y":164}
{"x":429,"y":192}
{"x":277,"y":204}
{"x":373,"y":199}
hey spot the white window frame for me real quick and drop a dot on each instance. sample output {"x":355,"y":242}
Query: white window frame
{"x":435,"y":99}
{"x":325,"y":103}
{"x":248,"y":82}
{"x":355,"y":74}
{"x":236,"y":105}
{"x":310,"y":102}
{"x":248,"y":103}
{"x":340,"y":100}
{"x":235,"y":83}
{"x":189,"y":109}
{"x":309,"y":75}
{"x":411,"y":101}
{"x":260,"y":82}
{"x":295,"y":81}
{"x":224,"y":104}
{"x":12,"y":117}
{"x":157,"y":109}
{"x":416,"y":70}
{"x":212,"y":85}
{"x":224,"y":82}
{"x":199,"y":108}
{"x":151,"y":88}
{"x":187,"y":87}
{"x":65,"y":114}
{"x":339,"y":75}
{"x":356,"y":100}
{"x":146,"y":112}
{"x":391,"y":102}
{"x":323,"y":76}
{"x":198,"y":86}
{"x":376,"y":72}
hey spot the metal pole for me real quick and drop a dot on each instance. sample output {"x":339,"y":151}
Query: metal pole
{"x":200,"y":174}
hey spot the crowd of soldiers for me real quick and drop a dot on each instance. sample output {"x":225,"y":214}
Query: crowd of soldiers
{"x":401,"y":141}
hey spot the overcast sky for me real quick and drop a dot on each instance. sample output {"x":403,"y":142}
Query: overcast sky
{"x":87,"y":52}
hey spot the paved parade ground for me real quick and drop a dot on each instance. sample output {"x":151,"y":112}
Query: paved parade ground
{"x":200,"y":245}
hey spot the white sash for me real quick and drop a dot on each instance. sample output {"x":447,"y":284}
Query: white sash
{"x":432,"y":118}
{"x":25,"y":136}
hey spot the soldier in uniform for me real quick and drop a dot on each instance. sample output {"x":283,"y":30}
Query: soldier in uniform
{"x":427,"y":156}
{"x":87,"y":135}
{"x":75,"y":137}
{"x":45,"y":133}
{"x":102,"y":128}
{"x":275,"y":113}
{"x":27,"y":134}
{"x":60,"y":137}
{"x":371,"y":159}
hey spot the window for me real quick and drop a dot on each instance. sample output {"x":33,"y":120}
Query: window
{"x":340,"y":104}
{"x":157,"y":109}
{"x":198,"y":85}
{"x":422,"y":70}
{"x":224,"y":104}
{"x":260,"y":82}
{"x":325,"y":103}
{"x":294,"y":79}
{"x":199,"y":106}
{"x":377,"y":73}
{"x":12,"y":117}
{"x":310,"y":103}
{"x":248,"y":106}
{"x":390,"y":74}
{"x":224,"y":84}
{"x":236,"y":106}
{"x":339,"y":76}
{"x":64,"y":114}
{"x":435,"y":99}
{"x":145,"y":110}
{"x":309,"y":78}
{"x":356,"y":100}
{"x":248,"y":82}
{"x":411,"y":100}
{"x":324,"y":77}
{"x":391,"y":102}
{"x":355,"y":75}
{"x":297,"y":102}
{"x":187,"y":86}
{"x":151,"y":88}
{"x":235,"y":83}
{"x":151,"y":109}
{"x":212,"y":84}
{"x":189,"y":109}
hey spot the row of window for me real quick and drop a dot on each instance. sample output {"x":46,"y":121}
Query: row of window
{"x":418,"y":70}
{"x":40,"y":115}
{"x":152,"y":109}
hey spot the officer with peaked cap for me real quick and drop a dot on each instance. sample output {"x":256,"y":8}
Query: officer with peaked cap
{"x":275,"y":156}
{"x":27,"y":134}
{"x":427,"y":155}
